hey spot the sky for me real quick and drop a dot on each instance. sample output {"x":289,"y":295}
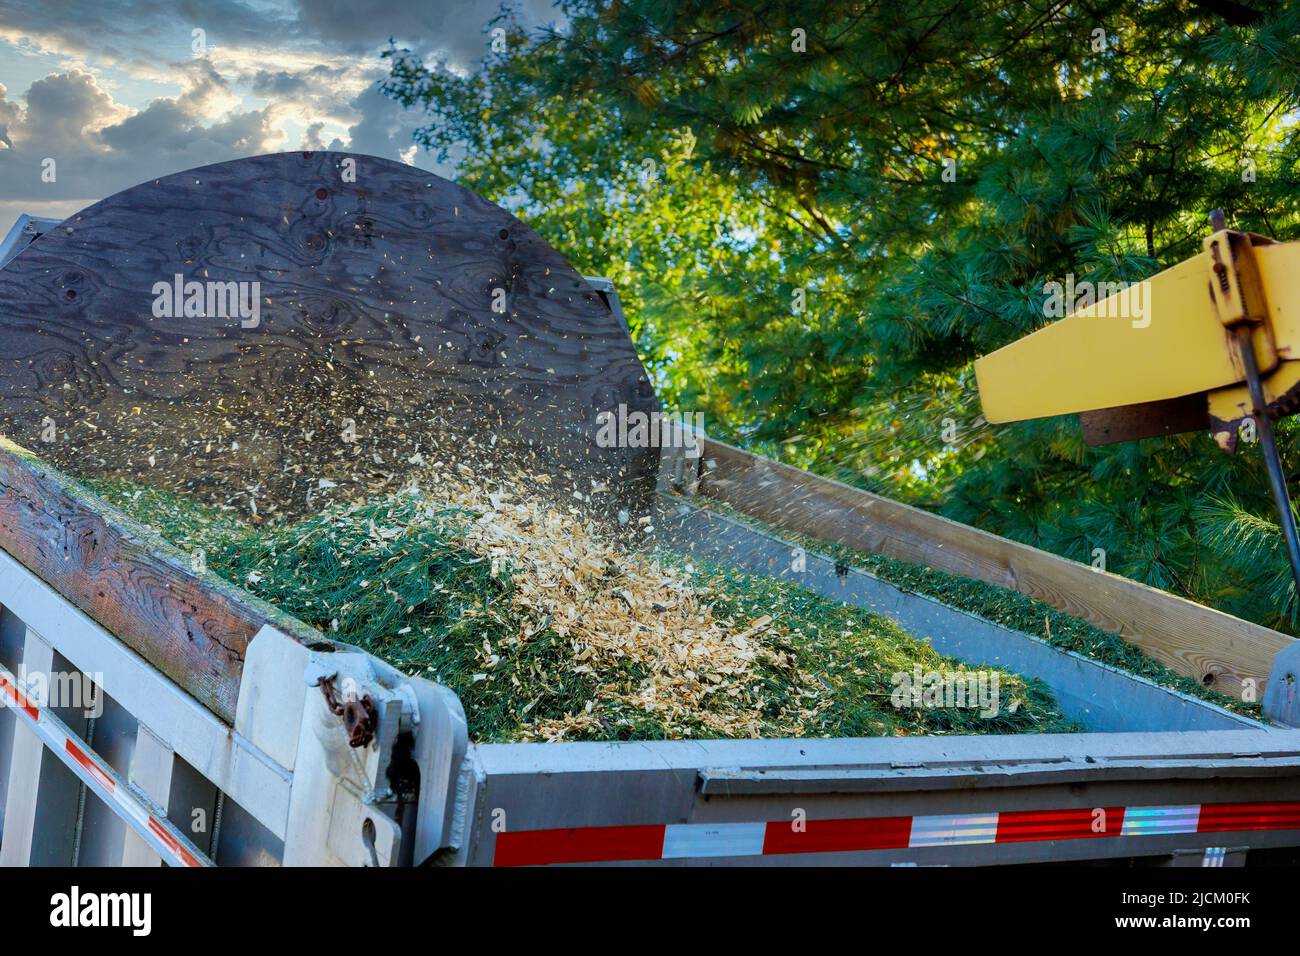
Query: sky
{"x":115,"y":92}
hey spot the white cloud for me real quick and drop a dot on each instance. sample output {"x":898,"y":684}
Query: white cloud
{"x":276,"y":74}
{"x":100,"y":146}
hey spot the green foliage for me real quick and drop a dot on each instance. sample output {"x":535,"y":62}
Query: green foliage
{"x":855,"y":654}
{"x":777,"y":170}
{"x":1251,"y":548}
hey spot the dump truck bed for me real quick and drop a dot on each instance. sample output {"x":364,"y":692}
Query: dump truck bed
{"x":267,"y":775}
{"x":157,"y":713}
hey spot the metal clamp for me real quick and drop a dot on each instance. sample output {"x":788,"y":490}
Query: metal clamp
{"x":359,"y":716}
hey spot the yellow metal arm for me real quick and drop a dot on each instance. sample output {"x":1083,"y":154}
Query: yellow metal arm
{"x":1158,"y":340}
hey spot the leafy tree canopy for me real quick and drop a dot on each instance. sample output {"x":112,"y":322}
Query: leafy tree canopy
{"x":818,"y":212}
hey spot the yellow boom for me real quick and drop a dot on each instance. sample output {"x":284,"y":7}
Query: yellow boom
{"x":1160,"y":340}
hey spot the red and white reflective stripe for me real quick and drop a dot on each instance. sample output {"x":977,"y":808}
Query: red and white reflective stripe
{"x":15,"y":698}
{"x":685,"y":840}
{"x":1156,"y":821}
{"x":956,"y":830}
{"x":137,"y":810}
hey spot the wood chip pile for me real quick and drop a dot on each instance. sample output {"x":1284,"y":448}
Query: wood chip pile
{"x":550,"y":628}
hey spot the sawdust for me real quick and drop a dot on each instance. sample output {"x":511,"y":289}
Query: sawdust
{"x":616,"y":607}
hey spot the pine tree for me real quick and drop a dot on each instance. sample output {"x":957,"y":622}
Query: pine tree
{"x":821,"y":212}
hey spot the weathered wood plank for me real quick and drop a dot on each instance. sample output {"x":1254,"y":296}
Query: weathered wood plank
{"x":1221,"y":651}
{"x":193,"y":627}
{"x":400,"y":318}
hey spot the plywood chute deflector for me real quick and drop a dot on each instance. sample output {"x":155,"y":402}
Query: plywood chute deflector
{"x":399,"y":318}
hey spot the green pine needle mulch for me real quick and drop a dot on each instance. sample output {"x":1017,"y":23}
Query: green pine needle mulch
{"x":1004,"y":606}
{"x":397,"y":578}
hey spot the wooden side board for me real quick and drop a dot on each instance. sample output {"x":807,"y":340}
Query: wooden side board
{"x":195,"y":628}
{"x":1221,"y":651}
